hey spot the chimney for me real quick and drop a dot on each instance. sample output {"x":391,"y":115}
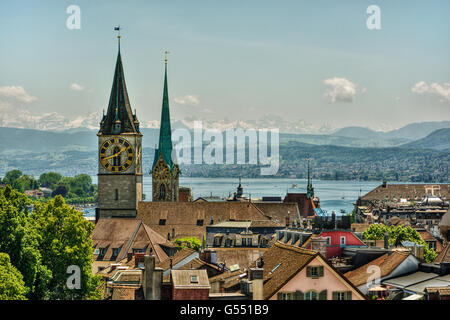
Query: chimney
{"x":256,"y":277}
{"x":386,"y":241}
{"x":384,"y":184}
{"x":152,"y":279}
{"x":319,"y":244}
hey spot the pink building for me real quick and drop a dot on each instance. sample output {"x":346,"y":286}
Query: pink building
{"x":294,"y":273}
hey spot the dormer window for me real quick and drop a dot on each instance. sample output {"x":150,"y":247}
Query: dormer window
{"x":115,"y":253}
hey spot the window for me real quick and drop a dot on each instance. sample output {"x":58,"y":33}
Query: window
{"x":342,"y":240}
{"x":328,"y":240}
{"x":249,"y":242}
{"x":314,"y":271}
{"x":285,"y":296}
{"x":200,"y":222}
{"x":194,"y":279}
{"x":102,"y":252}
{"x":311,"y":295}
{"x":162,"y":192}
{"x":138,"y":250}
{"x":116,"y":195}
{"x":217,"y":241}
{"x":162,"y":222}
{"x":115,"y":253}
{"x":342,"y":295}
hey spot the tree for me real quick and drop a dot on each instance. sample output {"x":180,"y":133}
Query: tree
{"x":60,"y":190}
{"x":192,"y":243}
{"x":397,"y":234}
{"x":12,"y":286}
{"x":44,"y":243}
{"x":66,"y":241}
{"x":49,"y":179}
{"x":20,"y":240}
{"x":11,"y":176}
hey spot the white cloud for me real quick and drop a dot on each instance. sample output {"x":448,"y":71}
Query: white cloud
{"x":190,"y":100}
{"x":11,"y":116}
{"x":340,"y":90}
{"x":443,"y":91}
{"x":16,"y":92}
{"x":76,"y":87}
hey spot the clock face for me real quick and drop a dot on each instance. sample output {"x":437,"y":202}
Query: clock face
{"x":162,"y":171}
{"x":116,"y":154}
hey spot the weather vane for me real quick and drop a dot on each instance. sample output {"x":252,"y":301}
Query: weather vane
{"x":118,"y":28}
{"x":165,"y":55}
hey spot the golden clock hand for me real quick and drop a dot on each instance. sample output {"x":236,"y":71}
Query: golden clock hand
{"x":116,"y":154}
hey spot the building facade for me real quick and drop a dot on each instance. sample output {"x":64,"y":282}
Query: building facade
{"x":165,"y":171}
{"x":119,"y":154}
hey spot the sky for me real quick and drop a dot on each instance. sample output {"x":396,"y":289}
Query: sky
{"x":310,"y":62}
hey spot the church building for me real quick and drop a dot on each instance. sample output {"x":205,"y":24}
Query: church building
{"x":165,"y":171}
{"x":120,"y":153}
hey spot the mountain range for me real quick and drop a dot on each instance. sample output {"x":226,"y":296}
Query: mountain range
{"x":74,"y":151}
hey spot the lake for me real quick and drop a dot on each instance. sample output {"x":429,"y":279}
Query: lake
{"x":334,"y":195}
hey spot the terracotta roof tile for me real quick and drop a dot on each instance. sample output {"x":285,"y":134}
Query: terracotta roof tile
{"x":386,"y":262}
{"x":444,"y":255}
{"x":281,"y":263}
{"x":182,"y":217}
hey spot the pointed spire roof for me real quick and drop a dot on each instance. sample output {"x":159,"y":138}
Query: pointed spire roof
{"x":165,"y":146}
{"x":119,"y":108}
{"x":309,"y":187}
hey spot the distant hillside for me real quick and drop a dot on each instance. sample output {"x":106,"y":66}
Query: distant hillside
{"x":412,"y":131}
{"x":438,"y":140}
{"x":357,"y":132}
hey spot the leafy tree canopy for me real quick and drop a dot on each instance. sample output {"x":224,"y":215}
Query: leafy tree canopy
{"x":12,"y":286}
{"x":396,"y":234}
{"x":192,"y":243}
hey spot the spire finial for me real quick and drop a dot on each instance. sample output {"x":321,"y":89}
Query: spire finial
{"x":118,"y":28}
{"x":165,"y":56}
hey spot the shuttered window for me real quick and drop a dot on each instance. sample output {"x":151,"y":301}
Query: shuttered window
{"x":342,"y":295}
{"x":298,"y":295}
{"x":311,"y":295}
{"x":323,"y":295}
{"x":314,"y":272}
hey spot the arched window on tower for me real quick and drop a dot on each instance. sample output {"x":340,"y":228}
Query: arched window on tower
{"x":162,"y":192}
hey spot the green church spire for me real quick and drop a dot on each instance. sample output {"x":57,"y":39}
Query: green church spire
{"x":309,"y":187}
{"x":165,"y":133}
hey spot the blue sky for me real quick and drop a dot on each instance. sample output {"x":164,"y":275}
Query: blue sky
{"x":310,"y":60}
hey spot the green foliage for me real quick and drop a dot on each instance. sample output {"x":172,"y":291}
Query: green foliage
{"x":192,"y":243}
{"x":19,"y":239}
{"x":44,"y":243}
{"x":77,"y":189}
{"x":12,"y":286}
{"x":66,"y":241}
{"x":396,"y":234}
{"x":49,"y":179}
{"x":11,"y":176}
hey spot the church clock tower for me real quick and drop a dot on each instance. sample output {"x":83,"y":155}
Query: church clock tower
{"x":165,"y":171}
{"x":119,"y":153}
